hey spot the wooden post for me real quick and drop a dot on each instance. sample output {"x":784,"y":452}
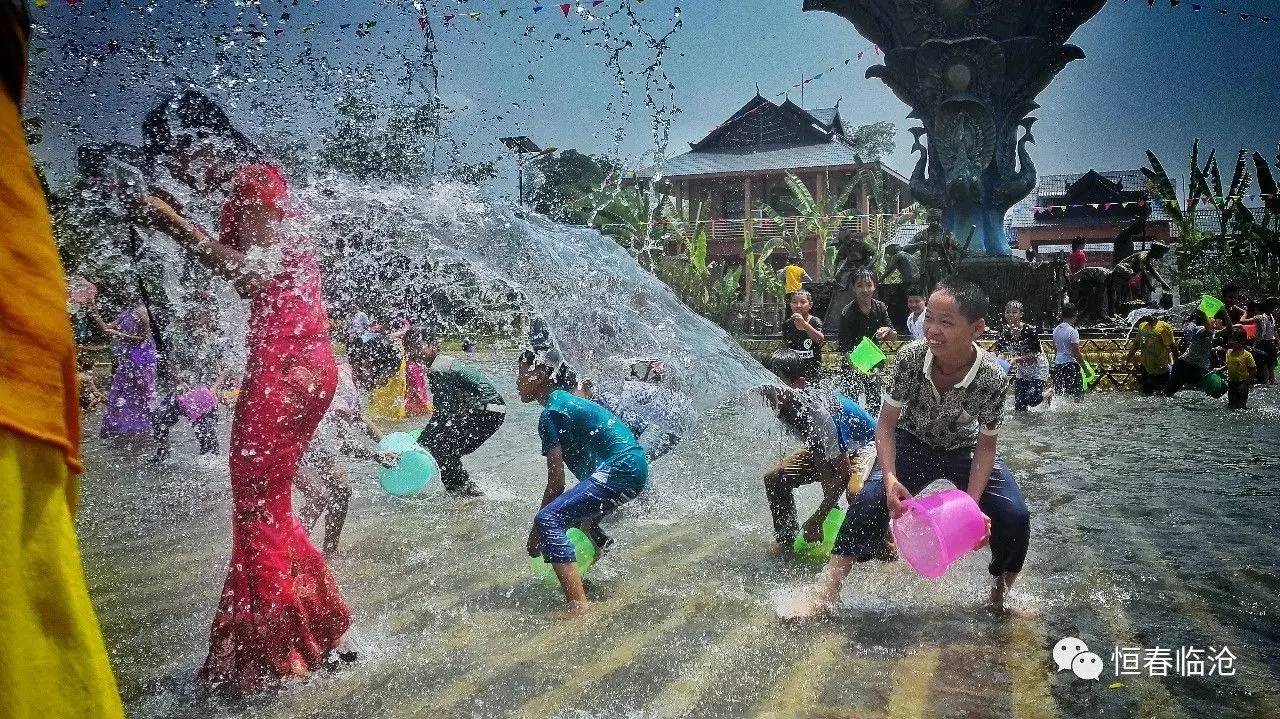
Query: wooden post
{"x":748,"y":247}
{"x":821,"y":180}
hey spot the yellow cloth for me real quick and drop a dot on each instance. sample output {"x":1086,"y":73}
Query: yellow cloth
{"x":1240,"y":365}
{"x":53,"y":663}
{"x":387,"y":401}
{"x":1155,"y":343}
{"x":793,"y":278}
{"x":38,"y":380}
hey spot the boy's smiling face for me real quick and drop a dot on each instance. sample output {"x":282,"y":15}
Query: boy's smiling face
{"x":1013,"y":315}
{"x":946,"y":329}
{"x":801,"y":304}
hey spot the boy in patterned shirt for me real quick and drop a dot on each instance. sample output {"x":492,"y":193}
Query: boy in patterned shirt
{"x":943,"y":407}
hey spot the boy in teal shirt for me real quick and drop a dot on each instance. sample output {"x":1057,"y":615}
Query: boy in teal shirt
{"x":595,"y":445}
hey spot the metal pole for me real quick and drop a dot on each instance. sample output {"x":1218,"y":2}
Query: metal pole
{"x":519,"y":180}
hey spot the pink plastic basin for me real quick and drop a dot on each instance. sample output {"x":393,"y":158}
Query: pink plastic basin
{"x":937,"y":530}
{"x":197,"y":403}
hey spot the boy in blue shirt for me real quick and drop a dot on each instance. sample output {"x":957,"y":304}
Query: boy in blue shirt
{"x":595,"y":445}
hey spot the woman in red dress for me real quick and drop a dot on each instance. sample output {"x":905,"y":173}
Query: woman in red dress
{"x":280,"y":614}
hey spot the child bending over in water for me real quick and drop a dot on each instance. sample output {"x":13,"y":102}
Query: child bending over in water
{"x":807,"y":412}
{"x":943,"y":408}
{"x":322,"y":479}
{"x":595,"y":445}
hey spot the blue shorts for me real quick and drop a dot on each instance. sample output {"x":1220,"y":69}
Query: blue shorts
{"x":589,"y":499}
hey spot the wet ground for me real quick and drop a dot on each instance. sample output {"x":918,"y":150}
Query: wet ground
{"x":1154,"y":525}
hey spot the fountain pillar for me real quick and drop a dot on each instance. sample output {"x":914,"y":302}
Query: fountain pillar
{"x":970,"y":71}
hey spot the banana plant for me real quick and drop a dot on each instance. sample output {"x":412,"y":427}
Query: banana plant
{"x":1246,"y":249}
{"x":1161,"y":188}
{"x":815,"y":218}
{"x":641,"y":221}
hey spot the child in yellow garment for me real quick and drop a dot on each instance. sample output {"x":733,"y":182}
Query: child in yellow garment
{"x":53,"y":663}
{"x":1241,"y":370}
{"x":387,"y":401}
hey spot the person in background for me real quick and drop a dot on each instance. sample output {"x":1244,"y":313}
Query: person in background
{"x":1261,"y":314}
{"x":322,"y":478}
{"x":53,"y":661}
{"x":1242,"y":370}
{"x":1019,"y":344}
{"x":387,"y":402}
{"x":1196,"y":360}
{"x":1077,"y":260}
{"x":1154,"y":341}
{"x":1272,"y":308}
{"x":864,"y":317}
{"x":1143,"y":271}
{"x":1067,"y":359}
{"x":1234,"y":305}
{"x":197,"y":361}
{"x":359,"y":327}
{"x":802,"y":333}
{"x":133,"y":384}
{"x":807,"y":412}
{"x":793,"y":277}
{"x":596,"y":446}
{"x":280,"y":614}
{"x":655,"y":414}
{"x":904,"y":263}
{"x":915,"y":313}
{"x":944,"y":406}
{"x":466,"y":410}
{"x":417,"y":392}
{"x":90,"y":396}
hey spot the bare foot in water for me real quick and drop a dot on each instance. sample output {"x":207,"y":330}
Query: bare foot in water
{"x":576,"y":609}
{"x":999,"y":605}
{"x":805,"y":605}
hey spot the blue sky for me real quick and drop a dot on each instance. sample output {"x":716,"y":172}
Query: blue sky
{"x":1155,"y":77}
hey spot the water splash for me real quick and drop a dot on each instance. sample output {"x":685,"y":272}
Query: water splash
{"x":600,"y":305}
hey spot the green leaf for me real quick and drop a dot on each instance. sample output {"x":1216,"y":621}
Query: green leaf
{"x":1266,"y":183}
{"x":1240,"y":179}
{"x":1215,"y":179}
{"x":1161,"y":187}
{"x":1158,"y":178}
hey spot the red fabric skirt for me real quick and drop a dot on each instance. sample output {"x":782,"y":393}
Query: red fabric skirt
{"x":280,"y":613}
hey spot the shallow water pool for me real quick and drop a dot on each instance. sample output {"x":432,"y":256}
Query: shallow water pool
{"x":1153,"y":526}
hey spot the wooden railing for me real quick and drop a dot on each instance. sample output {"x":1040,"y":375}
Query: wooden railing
{"x":724,"y":237}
